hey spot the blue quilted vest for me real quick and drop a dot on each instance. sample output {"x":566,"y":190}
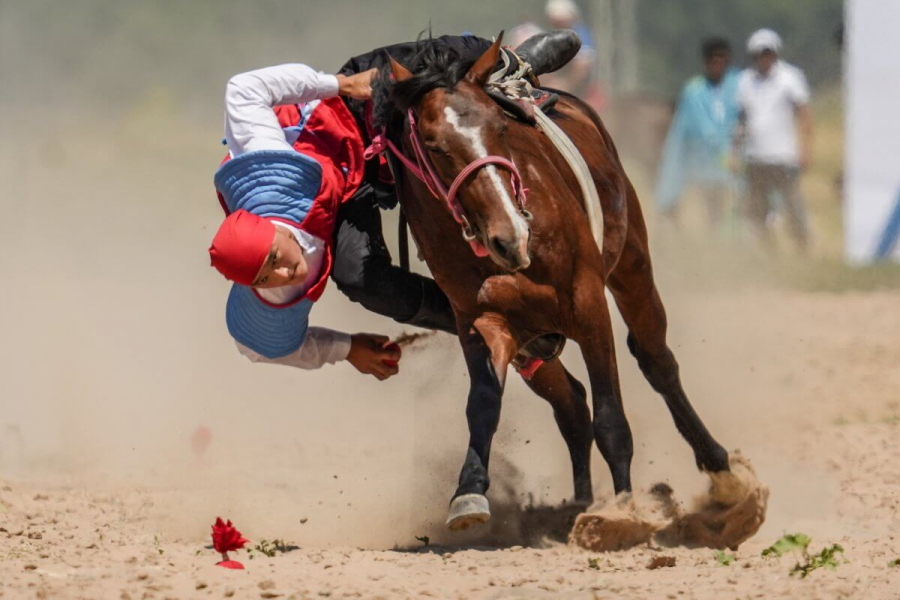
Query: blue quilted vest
{"x":279,"y":184}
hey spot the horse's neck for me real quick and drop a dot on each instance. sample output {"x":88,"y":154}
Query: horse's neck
{"x":427,"y":216}
{"x":437,"y":236}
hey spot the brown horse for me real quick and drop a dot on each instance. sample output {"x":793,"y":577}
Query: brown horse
{"x":545,"y":278}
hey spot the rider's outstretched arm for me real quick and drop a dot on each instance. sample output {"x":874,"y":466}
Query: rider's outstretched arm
{"x":250,"y":122}
{"x":321,"y":347}
{"x":370,"y":354}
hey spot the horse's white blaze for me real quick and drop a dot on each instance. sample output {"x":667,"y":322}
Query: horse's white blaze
{"x":473,"y":135}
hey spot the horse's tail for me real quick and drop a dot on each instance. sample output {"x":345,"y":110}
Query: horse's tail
{"x":612,"y":186}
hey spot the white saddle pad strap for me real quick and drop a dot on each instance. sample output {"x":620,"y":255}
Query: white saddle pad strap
{"x":567,"y":148}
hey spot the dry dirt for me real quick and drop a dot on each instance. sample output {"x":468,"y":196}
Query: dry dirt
{"x":805,"y":384}
{"x":114,"y":352}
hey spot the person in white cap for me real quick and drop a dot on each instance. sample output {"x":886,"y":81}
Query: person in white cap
{"x":576,"y":77}
{"x":775,"y":135}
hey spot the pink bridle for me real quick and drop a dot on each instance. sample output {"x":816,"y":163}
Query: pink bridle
{"x":423,"y":168}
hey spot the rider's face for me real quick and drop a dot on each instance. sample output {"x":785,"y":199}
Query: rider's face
{"x":285,"y":264}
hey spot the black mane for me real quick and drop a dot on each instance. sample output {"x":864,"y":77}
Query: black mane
{"x":434,"y":65}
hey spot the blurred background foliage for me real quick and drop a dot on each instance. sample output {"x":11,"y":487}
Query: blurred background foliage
{"x":119,"y":52}
{"x":139,"y":83}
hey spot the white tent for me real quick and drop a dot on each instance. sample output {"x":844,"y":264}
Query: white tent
{"x":872,"y":190}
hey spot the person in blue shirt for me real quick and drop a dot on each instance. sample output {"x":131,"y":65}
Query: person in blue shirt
{"x":698,"y":146}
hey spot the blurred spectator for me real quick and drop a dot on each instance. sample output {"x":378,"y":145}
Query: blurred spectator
{"x":576,"y":77}
{"x":774,"y":108}
{"x":521,"y":32}
{"x":699,"y":142}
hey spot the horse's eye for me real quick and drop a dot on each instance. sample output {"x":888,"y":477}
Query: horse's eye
{"x":436,"y":147}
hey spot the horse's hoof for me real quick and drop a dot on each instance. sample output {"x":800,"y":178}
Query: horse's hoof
{"x":468,"y":510}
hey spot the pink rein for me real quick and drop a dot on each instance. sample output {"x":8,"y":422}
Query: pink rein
{"x":423,"y":168}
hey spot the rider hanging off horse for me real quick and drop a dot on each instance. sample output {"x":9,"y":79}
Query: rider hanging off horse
{"x":513,"y":283}
{"x":302,"y":204}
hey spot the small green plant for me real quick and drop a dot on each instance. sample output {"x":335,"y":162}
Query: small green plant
{"x":269,"y":548}
{"x":424,"y":539}
{"x":894,"y":563}
{"x":791,"y":542}
{"x":724,"y":559}
{"x":594,"y":563}
{"x":156,"y":543}
{"x":799,"y":542}
{"x":827,"y":558}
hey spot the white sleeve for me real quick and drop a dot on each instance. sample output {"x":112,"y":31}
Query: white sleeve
{"x":321,"y":346}
{"x":741,"y":93}
{"x":250,"y":122}
{"x":799,"y":89}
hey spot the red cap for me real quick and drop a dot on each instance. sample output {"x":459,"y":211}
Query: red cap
{"x":241,"y":246}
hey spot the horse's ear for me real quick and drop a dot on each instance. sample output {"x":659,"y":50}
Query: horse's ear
{"x":400,"y":72}
{"x":484,"y":66}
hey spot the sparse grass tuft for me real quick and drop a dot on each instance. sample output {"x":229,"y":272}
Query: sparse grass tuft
{"x":790,"y":542}
{"x":724,"y":559}
{"x":268,"y":548}
{"x":827,"y":558}
{"x":799,"y":542}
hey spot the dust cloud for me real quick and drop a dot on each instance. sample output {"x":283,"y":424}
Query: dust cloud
{"x":115,"y":350}
{"x":731,"y":512}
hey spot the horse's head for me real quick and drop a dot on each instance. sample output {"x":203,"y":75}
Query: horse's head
{"x":460,"y":125}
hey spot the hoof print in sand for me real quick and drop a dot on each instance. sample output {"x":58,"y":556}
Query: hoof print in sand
{"x":731,"y":511}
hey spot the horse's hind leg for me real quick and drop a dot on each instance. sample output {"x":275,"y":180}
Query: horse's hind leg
{"x":631,"y":283}
{"x":567,"y":396}
{"x":488,"y":348}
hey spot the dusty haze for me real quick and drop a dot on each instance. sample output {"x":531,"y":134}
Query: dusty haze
{"x":115,"y":350}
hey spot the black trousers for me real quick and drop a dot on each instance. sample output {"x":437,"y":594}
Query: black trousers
{"x":363,"y":270}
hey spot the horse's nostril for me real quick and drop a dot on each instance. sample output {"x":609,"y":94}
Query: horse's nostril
{"x":500,"y":247}
{"x":508,"y":253}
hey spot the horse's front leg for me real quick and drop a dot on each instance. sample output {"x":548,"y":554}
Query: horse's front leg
{"x":488,"y":347}
{"x":595,"y":337}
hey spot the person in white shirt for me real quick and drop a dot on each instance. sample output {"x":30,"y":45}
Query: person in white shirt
{"x":775,"y":135}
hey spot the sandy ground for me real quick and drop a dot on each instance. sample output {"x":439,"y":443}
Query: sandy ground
{"x":805,"y":384}
{"x":114,"y":352}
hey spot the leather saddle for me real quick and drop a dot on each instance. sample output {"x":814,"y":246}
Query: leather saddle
{"x":539,"y":54}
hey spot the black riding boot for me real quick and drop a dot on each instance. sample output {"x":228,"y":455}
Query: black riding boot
{"x":435,"y":311}
{"x":548,"y":52}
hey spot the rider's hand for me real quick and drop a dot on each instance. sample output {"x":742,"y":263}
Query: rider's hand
{"x":374,"y":355}
{"x":357,"y":86}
